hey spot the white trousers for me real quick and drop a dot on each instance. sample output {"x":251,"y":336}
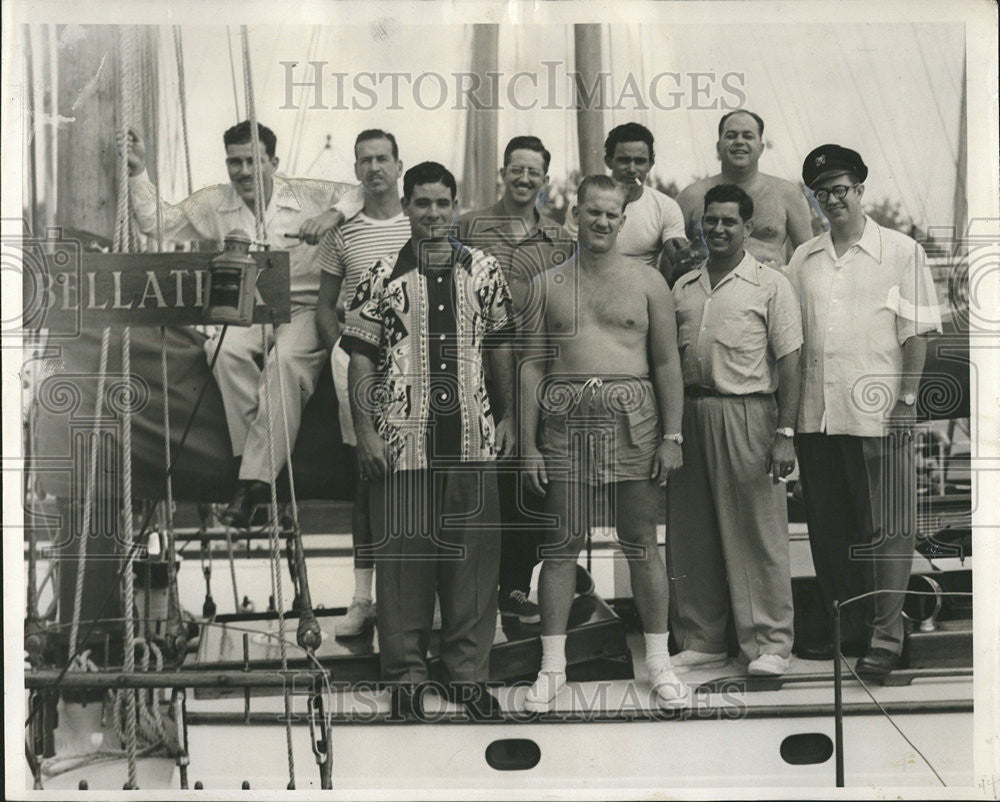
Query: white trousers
{"x":241,"y":381}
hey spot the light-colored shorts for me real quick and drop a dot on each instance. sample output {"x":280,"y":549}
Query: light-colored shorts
{"x":600,"y":430}
{"x":339,"y":360}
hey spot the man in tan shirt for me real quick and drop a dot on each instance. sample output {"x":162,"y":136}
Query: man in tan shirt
{"x":739,"y":332}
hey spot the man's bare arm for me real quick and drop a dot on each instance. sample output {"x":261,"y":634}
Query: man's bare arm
{"x":530,"y":373}
{"x":326,"y":308}
{"x":371,"y":447}
{"x":798,"y":217}
{"x":665,"y":372}
{"x":914,"y":356}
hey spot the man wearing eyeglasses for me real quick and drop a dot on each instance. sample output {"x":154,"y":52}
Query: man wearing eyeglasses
{"x":867,"y":298}
{"x":526,"y":242}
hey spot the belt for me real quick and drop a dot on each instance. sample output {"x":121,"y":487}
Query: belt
{"x":695,"y":391}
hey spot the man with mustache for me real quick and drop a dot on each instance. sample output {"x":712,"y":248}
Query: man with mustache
{"x":290,"y":205}
{"x":781,"y":213}
{"x":739,"y":333}
{"x":379,"y":230}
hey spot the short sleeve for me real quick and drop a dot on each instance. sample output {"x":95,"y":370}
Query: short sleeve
{"x":330,"y":254}
{"x":363,"y":320}
{"x":915,"y":300}
{"x":495,"y":298}
{"x":671,"y":220}
{"x":784,"y":318}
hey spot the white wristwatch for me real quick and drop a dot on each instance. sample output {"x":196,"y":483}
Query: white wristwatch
{"x":786,"y":431}
{"x":677,"y":438}
{"x":909,"y":399}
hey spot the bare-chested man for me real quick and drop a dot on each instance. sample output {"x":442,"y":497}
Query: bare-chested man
{"x":603,"y":414}
{"x":781,"y":217}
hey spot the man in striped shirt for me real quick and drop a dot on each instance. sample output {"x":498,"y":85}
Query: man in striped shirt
{"x":378,"y":231}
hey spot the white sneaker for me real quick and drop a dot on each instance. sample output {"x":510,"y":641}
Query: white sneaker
{"x":689,"y":659}
{"x":769,"y":665}
{"x":666,"y":685}
{"x":360,"y":614}
{"x":544,"y":691}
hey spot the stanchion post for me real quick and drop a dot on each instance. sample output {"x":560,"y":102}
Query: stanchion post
{"x":838,"y":700}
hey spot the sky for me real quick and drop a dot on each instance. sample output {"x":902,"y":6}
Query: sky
{"x":892,"y":91}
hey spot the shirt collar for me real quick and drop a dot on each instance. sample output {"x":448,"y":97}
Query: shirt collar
{"x":871,"y":241}
{"x":746,"y":270}
{"x":407,"y":260}
{"x":282,"y":195}
{"x":495,"y":219}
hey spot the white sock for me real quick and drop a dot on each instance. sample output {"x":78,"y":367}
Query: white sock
{"x":363,"y":583}
{"x":657,"y":648}
{"x":554,"y":653}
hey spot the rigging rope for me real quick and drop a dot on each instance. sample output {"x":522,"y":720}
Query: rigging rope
{"x":259,"y":206}
{"x":182,"y":98}
{"x":88,"y":499}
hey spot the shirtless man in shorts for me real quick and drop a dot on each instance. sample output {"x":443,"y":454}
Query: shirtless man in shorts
{"x":603,"y":413}
{"x":781,"y":213}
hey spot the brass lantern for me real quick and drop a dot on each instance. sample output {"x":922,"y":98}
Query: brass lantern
{"x":232,"y":282}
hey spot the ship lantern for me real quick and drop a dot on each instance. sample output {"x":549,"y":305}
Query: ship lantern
{"x":232,"y":282}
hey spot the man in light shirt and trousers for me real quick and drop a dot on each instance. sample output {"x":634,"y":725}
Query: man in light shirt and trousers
{"x":739,"y":333}
{"x":867,"y":298}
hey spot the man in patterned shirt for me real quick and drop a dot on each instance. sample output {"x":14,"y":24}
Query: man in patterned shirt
{"x":416,"y":330}
{"x":379,"y":230}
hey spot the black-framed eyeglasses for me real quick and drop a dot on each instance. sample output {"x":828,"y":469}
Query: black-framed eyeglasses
{"x":838,"y":192}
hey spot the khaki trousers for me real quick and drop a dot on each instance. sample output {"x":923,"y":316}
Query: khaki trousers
{"x":242,"y":385}
{"x":727,"y":539}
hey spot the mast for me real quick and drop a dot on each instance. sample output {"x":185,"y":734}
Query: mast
{"x":87,"y":191}
{"x":589,"y":109}
{"x":479,"y":182}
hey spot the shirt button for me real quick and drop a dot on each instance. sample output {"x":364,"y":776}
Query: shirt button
{"x":439,"y":279}
{"x":444,"y":396}
{"x":444,"y":366}
{"x":440,"y":307}
{"x":442,"y":337}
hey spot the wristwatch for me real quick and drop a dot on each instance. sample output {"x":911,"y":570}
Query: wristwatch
{"x":786,"y":431}
{"x":909,"y":399}
{"x":677,"y":438}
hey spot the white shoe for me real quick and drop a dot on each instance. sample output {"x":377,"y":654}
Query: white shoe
{"x":769,"y":665}
{"x":689,"y":659}
{"x":544,"y":691}
{"x":666,"y":685}
{"x":360,"y":614}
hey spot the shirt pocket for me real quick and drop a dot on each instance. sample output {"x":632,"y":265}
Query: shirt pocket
{"x":744,"y":336}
